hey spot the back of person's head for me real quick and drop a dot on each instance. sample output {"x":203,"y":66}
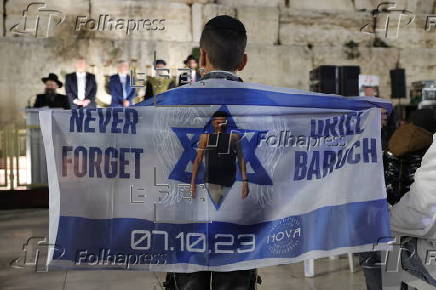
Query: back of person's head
{"x":220,"y":114}
{"x":224,"y":39}
{"x":424,"y":118}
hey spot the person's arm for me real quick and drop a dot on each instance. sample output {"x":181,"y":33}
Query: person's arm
{"x":68,"y":90}
{"x":113,"y":92}
{"x":181,"y":80}
{"x":415,"y":213}
{"x":172,"y":84}
{"x":148,"y":90}
{"x":242,"y":166}
{"x":37,"y":103}
{"x":132,"y":94}
{"x":93,"y":91}
{"x":66,"y":104}
{"x":197,"y":162}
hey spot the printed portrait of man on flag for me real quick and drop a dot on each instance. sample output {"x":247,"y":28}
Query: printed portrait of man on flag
{"x":220,"y":150}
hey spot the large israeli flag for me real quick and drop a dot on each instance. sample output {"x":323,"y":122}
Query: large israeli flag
{"x":120,"y":194}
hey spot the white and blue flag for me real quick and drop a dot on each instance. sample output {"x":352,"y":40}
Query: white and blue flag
{"x":120,"y":180}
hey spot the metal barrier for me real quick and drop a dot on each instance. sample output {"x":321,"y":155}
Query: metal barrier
{"x":22,"y":156}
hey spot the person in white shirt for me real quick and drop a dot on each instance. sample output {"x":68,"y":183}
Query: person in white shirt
{"x":415,"y":213}
{"x":80,"y":86}
{"x":119,"y":86}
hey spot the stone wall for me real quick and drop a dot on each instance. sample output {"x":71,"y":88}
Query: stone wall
{"x":287,"y":38}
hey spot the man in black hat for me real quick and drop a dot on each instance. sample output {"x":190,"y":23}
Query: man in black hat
{"x":222,"y":53}
{"x":194,"y":74}
{"x":50,"y":98}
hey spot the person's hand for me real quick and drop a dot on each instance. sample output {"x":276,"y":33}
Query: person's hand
{"x":126,"y":103}
{"x":193,"y":190}
{"x":384,"y":117}
{"x":86,"y":102}
{"x":245,"y":189}
{"x":77,"y":102}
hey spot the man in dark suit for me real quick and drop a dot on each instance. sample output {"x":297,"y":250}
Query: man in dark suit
{"x":119,"y":86}
{"x":80,"y":86}
{"x":50,"y":98}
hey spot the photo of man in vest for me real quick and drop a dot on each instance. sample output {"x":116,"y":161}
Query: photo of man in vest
{"x":221,"y":151}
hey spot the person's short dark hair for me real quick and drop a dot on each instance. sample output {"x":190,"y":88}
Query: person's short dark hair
{"x":160,"y":61}
{"x":190,"y":57}
{"x":220,"y":114}
{"x":224,"y":38}
{"x":424,"y":118}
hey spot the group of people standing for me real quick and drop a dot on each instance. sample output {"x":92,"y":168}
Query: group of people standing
{"x":81,"y":86}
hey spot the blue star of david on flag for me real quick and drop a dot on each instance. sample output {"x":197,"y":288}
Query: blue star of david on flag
{"x":189,"y":138}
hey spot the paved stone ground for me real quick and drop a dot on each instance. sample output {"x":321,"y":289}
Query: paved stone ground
{"x":16,"y":226}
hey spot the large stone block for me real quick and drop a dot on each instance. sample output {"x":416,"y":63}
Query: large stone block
{"x":152,"y":20}
{"x":261,"y":23}
{"x":1,"y":21}
{"x":197,"y":21}
{"x":278,"y":65}
{"x":193,"y":1}
{"x":107,"y":52}
{"x":202,"y":13}
{"x":419,"y":63}
{"x":322,"y":28}
{"x":259,"y":3}
{"x":364,"y":5}
{"x":322,"y":5}
{"x":23,"y":64}
{"x":212,"y":10}
{"x":425,"y":6}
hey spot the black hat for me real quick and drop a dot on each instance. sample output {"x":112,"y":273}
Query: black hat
{"x":190,"y":57}
{"x":220,"y":114}
{"x":225,"y":22}
{"x":160,"y":61}
{"x":52,"y":77}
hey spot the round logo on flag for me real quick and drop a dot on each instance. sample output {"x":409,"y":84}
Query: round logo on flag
{"x":285,"y":236}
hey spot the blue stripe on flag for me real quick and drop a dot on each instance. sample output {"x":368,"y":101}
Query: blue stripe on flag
{"x":326,"y":228}
{"x":247,"y":96}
